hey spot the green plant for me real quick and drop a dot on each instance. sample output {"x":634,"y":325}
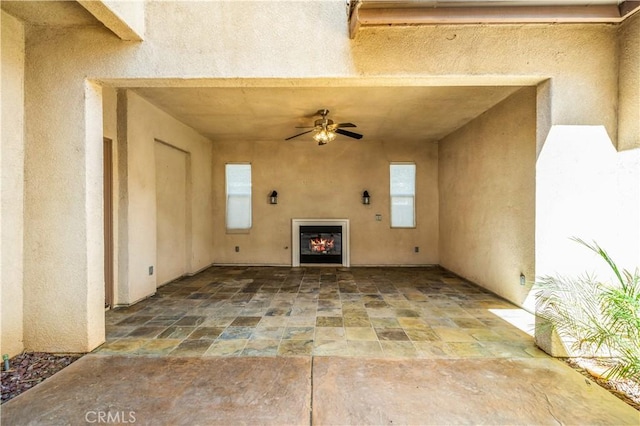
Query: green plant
{"x":597,"y":317}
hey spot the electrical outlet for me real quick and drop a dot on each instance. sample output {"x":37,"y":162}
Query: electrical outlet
{"x":416,"y":249}
{"x":378,"y":217}
{"x":523,"y":279}
{"x":237,"y":249}
{"x":150,"y":270}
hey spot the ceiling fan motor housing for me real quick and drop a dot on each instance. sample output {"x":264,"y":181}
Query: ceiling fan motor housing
{"x":323,"y":122}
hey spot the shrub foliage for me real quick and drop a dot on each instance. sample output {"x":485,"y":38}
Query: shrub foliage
{"x":597,"y":317}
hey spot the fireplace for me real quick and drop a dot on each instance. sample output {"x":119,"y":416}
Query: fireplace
{"x":320,"y":242}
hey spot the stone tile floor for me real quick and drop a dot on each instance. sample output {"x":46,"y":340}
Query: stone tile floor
{"x":424,"y":312}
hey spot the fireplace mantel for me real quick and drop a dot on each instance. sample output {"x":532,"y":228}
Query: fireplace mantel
{"x":295,"y":237}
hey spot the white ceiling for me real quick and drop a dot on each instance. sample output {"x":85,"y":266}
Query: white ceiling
{"x":380,"y":113}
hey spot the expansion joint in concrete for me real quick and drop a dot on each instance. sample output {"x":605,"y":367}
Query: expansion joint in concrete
{"x":311,"y":392}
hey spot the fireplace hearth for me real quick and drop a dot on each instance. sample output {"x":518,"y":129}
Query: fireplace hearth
{"x":320,"y":242}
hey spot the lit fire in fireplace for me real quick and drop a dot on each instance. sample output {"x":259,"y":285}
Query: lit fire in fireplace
{"x":321,"y":245}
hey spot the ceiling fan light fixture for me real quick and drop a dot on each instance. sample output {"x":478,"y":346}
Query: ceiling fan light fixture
{"x":323,"y":136}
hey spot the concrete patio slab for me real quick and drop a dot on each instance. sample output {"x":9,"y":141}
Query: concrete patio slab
{"x":169,"y":391}
{"x":346,"y":391}
{"x":539,"y":391}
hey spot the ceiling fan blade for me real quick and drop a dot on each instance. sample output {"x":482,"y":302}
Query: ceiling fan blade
{"x":299,"y":134}
{"x":349,"y":134}
{"x":346,"y":125}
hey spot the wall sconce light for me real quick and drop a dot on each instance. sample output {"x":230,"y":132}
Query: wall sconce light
{"x":366,"y":198}
{"x":273,"y":198}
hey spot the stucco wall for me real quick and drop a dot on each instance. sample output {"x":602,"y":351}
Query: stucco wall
{"x":109,"y":113}
{"x":131,"y":12}
{"x":12,"y":172}
{"x":629,"y":81}
{"x":327,"y":182}
{"x":146,"y":124}
{"x":586,"y":189}
{"x":487,"y":197}
{"x":580,"y":60}
{"x":238,"y":39}
{"x":627,"y":244}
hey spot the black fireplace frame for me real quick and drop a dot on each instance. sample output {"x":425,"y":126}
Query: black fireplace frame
{"x":335,"y":230}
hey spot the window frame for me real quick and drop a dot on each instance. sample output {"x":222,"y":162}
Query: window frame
{"x":412,"y":196}
{"x":228,"y":194}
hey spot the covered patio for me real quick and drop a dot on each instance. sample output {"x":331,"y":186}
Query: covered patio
{"x":121,"y":120}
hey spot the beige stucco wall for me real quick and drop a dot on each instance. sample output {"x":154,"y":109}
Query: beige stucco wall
{"x":627,"y":244}
{"x":327,"y":182}
{"x":238,"y":39}
{"x":146,"y":124}
{"x":11,"y":189}
{"x":629,"y":81}
{"x":586,"y":189}
{"x":92,"y":180}
{"x":232,"y":43}
{"x":63,"y":242}
{"x":131,"y":12}
{"x":109,"y":113}
{"x":487,"y":197}
{"x":580,"y":60}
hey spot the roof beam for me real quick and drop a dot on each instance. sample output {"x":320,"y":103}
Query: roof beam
{"x":369,"y":16}
{"x":110,"y":13}
{"x":628,"y":7}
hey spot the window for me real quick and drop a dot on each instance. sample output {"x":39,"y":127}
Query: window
{"x":403,"y":195}
{"x":238,"y":178}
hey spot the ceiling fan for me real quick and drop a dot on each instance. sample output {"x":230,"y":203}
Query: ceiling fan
{"x":325,"y":129}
